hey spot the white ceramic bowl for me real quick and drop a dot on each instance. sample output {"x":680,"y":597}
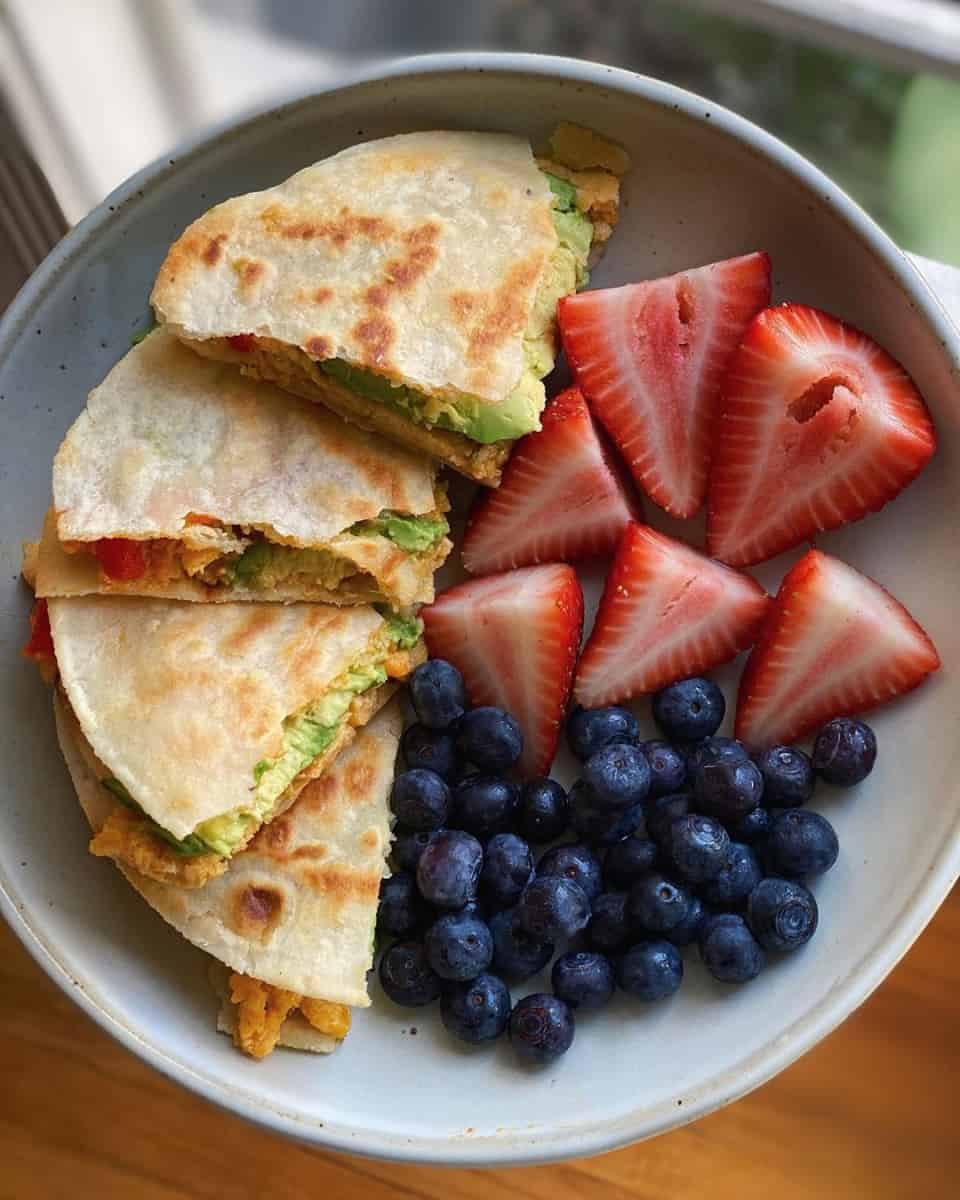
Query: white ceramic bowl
{"x":705,"y":185}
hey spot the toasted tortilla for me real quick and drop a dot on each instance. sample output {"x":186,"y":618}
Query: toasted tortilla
{"x":175,"y":446}
{"x":296,"y":909}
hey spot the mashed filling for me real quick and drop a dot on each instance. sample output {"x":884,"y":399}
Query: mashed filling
{"x":261,"y":1010}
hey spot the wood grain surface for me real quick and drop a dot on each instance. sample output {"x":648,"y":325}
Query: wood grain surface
{"x":870,"y":1113}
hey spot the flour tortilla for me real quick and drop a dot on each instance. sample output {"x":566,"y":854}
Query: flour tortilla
{"x":296,"y":909}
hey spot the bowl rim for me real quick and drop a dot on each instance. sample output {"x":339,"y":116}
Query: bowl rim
{"x":853,"y":987}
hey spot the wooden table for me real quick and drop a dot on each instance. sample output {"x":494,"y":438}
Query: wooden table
{"x":870,"y":1114}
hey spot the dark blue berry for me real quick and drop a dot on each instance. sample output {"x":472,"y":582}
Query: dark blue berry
{"x":655,"y":904}
{"x":660,"y":812}
{"x":689,"y":928}
{"x":483,"y":804}
{"x":787,"y":776}
{"x":590,"y":729}
{"x":541,"y":812}
{"x":689,"y":710}
{"x":553,"y":908}
{"x":716,"y":749}
{"x":668,"y":767}
{"x":596,"y":826}
{"x":541,"y":1028}
{"x":459,"y":946}
{"x":729,"y":950}
{"x":438,"y":694}
{"x":434,"y":749}
{"x":782,"y":913}
{"x":408,"y":845}
{"x":490,"y":738}
{"x":727,"y":790}
{"x":507,"y":869}
{"x":609,"y":929}
{"x":477,"y":1010}
{"x":449,"y":869}
{"x":406,"y":976}
{"x":697,"y":847}
{"x":402,"y":910}
{"x":420,"y":800}
{"x":617,"y":777}
{"x":752,"y":828}
{"x":736,"y":879}
{"x":576,"y":862}
{"x":650,"y":970}
{"x":516,"y":953}
{"x":628,"y":860}
{"x":800,"y":844}
{"x":844,"y":752}
{"x":583,"y":979}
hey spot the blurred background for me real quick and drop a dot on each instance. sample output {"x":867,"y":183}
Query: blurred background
{"x":868,"y":89}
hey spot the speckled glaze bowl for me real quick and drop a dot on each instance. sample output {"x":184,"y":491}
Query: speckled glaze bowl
{"x":705,"y":185}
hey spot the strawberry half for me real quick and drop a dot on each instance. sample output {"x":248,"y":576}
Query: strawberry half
{"x":666,"y":613}
{"x":650,"y":359}
{"x":819,"y":426}
{"x":515,"y":638}
{"x":560,"y":499}
{"x":835,"y":643}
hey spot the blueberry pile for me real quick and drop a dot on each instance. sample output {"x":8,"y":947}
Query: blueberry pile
{"x":682,"y":840}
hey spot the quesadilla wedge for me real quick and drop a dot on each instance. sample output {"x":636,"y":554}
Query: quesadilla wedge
{"x":410,"y":284}
{"x":186,"y":480}
{"x":291,"y":922}
{"x":208,"y":720}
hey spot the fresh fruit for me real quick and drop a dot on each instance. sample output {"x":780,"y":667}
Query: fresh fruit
{"x":728,"y":790}
{"x":835,"y":643}
{"x":650,"y":970}
{"x":787,"y":776}
{"x":617,"y":777}
{"x":561,"y":498}
{"x":590,"y":729}
{"x":661,"y":811}
{"x":783,"y":914}
{"x":449,"y":869}
{"x":576,"y":862}
{"x":438,"y":694}
{"x":715,"y":749}
{"x":655,"y":904}
{"x":458,"y":946}
{"x":736,"y":879}
{"x":541,"y":1028}
{"x":515,"y":637}
{"x":553,"y":908}
{"x":689,"y":710}
{"x":650,"y":358}
{"x":433,"y":749}
{"x":401,"y":911}
{"x":542,"y":811}
{"x":406,"y":976}
{"x":688,"y":930}
{"x":628,"y":860}
{"x":819,"y":427}
{"x":668,"y":767}
{"x":609,"y":929}
{"x":597,"y":826}
{"x":477,"y":1010}
{"x":420,"y":800}
{"x":752,"y":828}
{"x":517,"y":953}
{"x":666,"y":613}
{"x":490,"y":738}
{"x":507,"y":869}
{"x":729,"y":950}
{"x":583,"y":979}
{"x":800,"y":844}
{"x":483,"y":804}
{"x":844,"y":752}
{"x":407,"y":847}
{"x":697,"y":847}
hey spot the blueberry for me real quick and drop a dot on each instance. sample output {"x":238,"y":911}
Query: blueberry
{"x":729,"y":950}
{"x":483,"y":804}
{"x":434,"y":749}
{"x":516,"y":953}
{"x":402,"y":910}
{"x":661,"y":812}
{"x":628,"y":860}
{"x":752,"y":828}
{"x":735,"y":880}
{"x":651,"y":970}
{"x":477,"y":1010}
{"x":800,"y":844}
{"x":583,"y":979}
{"x":490,"y":738}
{"x":449,"y":869}
{"x":408,"y":845}
{"x":438,"y":694}
{"x":507,"y":869}
{"x":656,"y":904}
{"x":597,"y":827}
{"x":459,"y":946}
{"x":727,"y":790}
{"x":590,"y":729}
{"x":541,"y":813}
{"x":541,"y":1028}
{"x":783,"y":914}
{"x":844,"y":752}
{"x":689,"y":710}
{"x":420,"y":800}
{"x":576,"y":862}
{"x":608,"y":929}
{"x":689,"y":928}
{"x":618,"y":777}
{"x":668,"y":767}
{"x":697,"y":847}
{"x":407,"y":977}
{"x":787,"y":776}
{"x":716,"y":749}
{"x":553,"y":908}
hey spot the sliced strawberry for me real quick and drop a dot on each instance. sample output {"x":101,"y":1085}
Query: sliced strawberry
{"x":561,"y":498}
{"x":515,"y":637}
{"x":121,"y":558}
{"x":650,"y":359}
{"x":819,"y":426}
{"x":834,"y":643}
{"x":666,"y":613}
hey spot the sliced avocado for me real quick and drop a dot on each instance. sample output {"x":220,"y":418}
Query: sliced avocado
{"x":265,"y":565}
{"x":188,"y":846}
{"x":409,"y":533}
{"x":564,"y":192}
